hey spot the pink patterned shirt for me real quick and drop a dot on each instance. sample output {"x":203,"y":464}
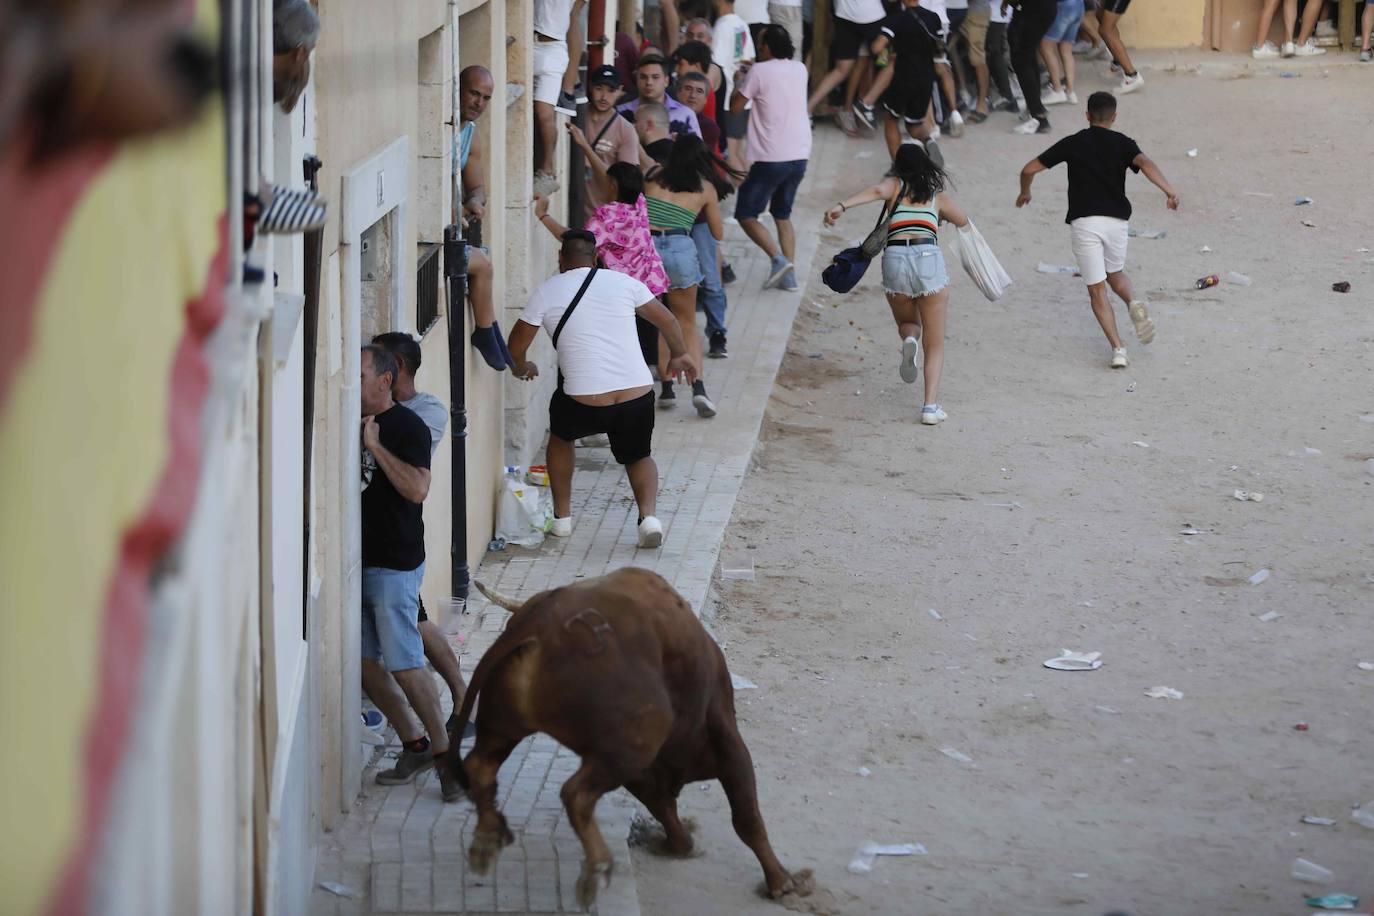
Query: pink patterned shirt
{"x":624,"y":243}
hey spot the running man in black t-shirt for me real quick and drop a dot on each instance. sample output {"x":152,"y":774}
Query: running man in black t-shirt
{"x":914,"y":34}
{"x":395,"y":480}
{"x":1098,"y":216}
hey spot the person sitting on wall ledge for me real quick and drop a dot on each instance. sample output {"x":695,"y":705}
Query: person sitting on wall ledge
{"x":475,"y":86}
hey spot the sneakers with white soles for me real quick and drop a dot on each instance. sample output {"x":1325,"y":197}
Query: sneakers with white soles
{"x":562,"y":527}
{"x":1308,"y":49}
{"x":1144,"y":324}
{"x":932,"y":414}
{"x":650,"y":532}
{"x":1266,"y":51}
{"x":1030,"y":126}
{"x":1119,"y":358}
{"x":1054,"y":97}
{"x":910,"y":347}
{"x":1131,"y":84}
{"x":1289,"y":49}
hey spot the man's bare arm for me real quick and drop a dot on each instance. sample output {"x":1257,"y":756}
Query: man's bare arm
{"x":411,"y":482}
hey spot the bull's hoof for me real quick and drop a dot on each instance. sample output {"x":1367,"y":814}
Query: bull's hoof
{"x":797,"y":884}
{"x":486,"y":845}
{"x":588,"y":880}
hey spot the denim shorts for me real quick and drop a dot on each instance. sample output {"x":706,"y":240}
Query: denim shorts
{"x":772,"y":185}
{"x":914,"y":270}
{"x":391,"y":608}
{"x":1067,"y":18}
{"x":680,"y":262}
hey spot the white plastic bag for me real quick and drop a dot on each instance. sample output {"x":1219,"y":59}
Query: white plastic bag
{"x":521,"y":517}
{"x":981,"y":264}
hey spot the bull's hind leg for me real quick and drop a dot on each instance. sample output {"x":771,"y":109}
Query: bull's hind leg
{"x":737,"y":778}
{"x":654,"y":794}
{"x":580,"y":795}
{"x":481,"y":767}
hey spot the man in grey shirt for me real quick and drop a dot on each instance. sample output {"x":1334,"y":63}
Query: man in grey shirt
{"x":435,"y":415}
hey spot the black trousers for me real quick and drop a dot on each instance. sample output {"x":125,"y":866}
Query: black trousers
{"x":997,"y":58}
{"x":1029,"y":24}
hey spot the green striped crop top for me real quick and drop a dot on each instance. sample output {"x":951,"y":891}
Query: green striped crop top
{"x":664,"y":214}
{"x":912,"y":221}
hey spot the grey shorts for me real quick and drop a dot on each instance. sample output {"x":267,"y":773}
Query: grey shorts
{"x":914,"y":270}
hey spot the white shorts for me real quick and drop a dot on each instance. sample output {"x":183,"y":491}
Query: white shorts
{"x":550,"y":60}
{"x":1099,"y":246}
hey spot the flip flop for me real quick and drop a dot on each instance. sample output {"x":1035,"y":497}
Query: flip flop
{"x":292,"y":211}
{"x":977,"y":117}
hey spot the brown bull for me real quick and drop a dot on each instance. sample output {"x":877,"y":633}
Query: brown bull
{"x":619,"y":670}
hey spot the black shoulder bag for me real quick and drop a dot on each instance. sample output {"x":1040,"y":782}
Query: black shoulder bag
{"x":582,"y":291}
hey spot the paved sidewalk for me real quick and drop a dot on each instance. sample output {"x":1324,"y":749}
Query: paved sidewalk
{"x":402,"y":849}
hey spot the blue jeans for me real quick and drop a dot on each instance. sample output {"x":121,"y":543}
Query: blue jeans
{"x":711,"y":292}
{"x":771,"y":185}
{"x":391,"y":609}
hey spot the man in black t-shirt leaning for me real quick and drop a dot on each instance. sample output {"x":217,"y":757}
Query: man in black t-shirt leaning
{"x":395,"y":480}
{"x":1098,"y":158}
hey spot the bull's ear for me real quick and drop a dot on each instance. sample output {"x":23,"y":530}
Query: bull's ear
{"x":497,"y":598}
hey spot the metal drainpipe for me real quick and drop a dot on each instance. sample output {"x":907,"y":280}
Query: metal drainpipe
{"x":456,"y":280}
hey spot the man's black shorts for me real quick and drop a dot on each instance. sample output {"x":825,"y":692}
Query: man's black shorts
{"x":1116,"y":6}
{"x":422,"y":616}
{"x":850,"y":36}
{"x":630,"y":426}
{"x":908,"y":99}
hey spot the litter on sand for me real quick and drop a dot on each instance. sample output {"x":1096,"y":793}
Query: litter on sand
{"x":1141,"y":444}
{"x":1147,"y":233}
{"x":1369,"y":465}
{"x":1308,"y":223}
{"x":1302,"y":201}
{"x":1164,"y":693}
{"x":956,"y":754}
{"x":1192,"y":154}
{"x":1259,"y":577}
{"x":341,"y":890}
{"x":1005,"y":505}
{"x":1365,"y":666}
{"x":1364,"y":816}
{"x":1269,"y":616}
{"x":934,"y":614}
{"x":1190,"y":530}
{"x":742,"y":683}
{"x":1236,"y":277}
{"x":1303,"y":870}
{"x":1342,"y":286}
{"x":1246,"y":495}
{"x":1070,"y":660}
{"x":1205,"y":249}
{"x":865,"y":771}
{"x":1333,"y":902}
{"x":739,"y":571}
{"x":1367,"y":418}
{"x":865,"y":855}
{"x":1044,"y":268}
{"x":1318,"y":821}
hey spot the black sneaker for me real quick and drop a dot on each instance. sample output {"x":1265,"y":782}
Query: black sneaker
{"x":727,"y":274}
{"x":865,"y":114}
{"x":667,"y":399}
{"x":567,"y":104}
{"x":705,"y":409}
{"x":470,"y":729}
{"x":717,"y":350}
{"x":1007,"y":105}
{"x":1043,"y":127}
{"x":409,"y":765}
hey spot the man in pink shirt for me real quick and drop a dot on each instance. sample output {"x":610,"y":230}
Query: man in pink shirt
{"x":779,"y":145}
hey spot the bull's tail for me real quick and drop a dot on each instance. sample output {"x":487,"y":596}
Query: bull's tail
{"x":497,"y":598}
{"x":511,"y":640}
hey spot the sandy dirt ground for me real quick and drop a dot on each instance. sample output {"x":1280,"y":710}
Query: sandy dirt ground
{"x":1083,"y":795}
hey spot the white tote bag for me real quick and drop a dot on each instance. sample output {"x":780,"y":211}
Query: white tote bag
{"x":981,"y":264}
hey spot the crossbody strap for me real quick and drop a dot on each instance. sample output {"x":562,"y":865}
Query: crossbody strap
{"x":605,"y":127}
{"x":573,"y":305}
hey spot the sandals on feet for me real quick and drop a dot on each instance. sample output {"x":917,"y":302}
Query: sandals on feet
{"x":977,"y":117}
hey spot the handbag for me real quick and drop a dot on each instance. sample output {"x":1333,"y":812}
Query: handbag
{"x":877,"y":239}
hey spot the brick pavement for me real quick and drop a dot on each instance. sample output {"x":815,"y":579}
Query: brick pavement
{"x":401,"y":850}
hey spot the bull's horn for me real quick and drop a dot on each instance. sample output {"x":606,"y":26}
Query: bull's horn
{"x":497,"y":598}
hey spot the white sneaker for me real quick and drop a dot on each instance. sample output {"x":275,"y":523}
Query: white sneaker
{"x":1131,"y":84}
{"x":1266,"y":51}
{"x":935,"y":132}
{"x":910,"y":347}
{"x":595,"y":440}
{"x":1054,"y":97}
{"x":1102,"y":53}
{"x":1082,"y":47}
{"x":545,"y":183}
{"x":1119,"y":360}
{"x":1073,"y":98}
{"x":1308,"y":49}
{"x":562,"y":527}
{"x":956,"y":124}
{"x":1027,"y":127}
{"x":1144,"y":324}
{"x":1326,"y":29}
{"x":650,"y":532}
{"x":932,"y":414}
{"x":1289,"y":49}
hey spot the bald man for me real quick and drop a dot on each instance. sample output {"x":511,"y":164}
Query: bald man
{"x":475,"y":86}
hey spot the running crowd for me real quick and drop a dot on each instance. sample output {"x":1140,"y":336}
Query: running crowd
{"x":725,"y":113}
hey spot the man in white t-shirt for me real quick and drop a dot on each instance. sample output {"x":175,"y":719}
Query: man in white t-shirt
{"x":856,"y":28}
{"x":549,"y":55}
{"x":604,"y":385}
{"x":731,"y":46}
{"x":788,"y":14}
